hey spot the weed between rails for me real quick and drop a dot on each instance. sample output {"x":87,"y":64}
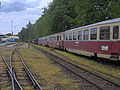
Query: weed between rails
{"x":90,"y":63}
{"x":48,"y":74}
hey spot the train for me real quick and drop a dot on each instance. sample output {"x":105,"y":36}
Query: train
{"x":101,"y":39}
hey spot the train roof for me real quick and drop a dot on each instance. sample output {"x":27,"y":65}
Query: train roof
{"x":56,"y":33}
{"x":50,"y":35}
{"x":99,"y":23}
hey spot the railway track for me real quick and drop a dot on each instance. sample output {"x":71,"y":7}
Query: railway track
{"x":79,"y":64}
{"x":20,"y":75}
{"x":95,"y":80}
{"x":4,"y":78}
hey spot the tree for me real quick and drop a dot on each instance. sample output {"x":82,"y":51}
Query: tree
{"x":62,"y":15}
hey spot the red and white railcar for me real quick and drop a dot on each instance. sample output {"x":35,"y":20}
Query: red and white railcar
{"x":100,"y":39}
{"x":56,"y":40}
{"x":43,"y":41}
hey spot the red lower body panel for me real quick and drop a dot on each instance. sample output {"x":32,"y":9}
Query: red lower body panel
{"x":57,"y":44}
{"x":101,"y":47}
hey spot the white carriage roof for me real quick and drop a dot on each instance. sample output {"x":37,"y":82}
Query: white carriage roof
{"x":50,"y":35}
{"x":99,"y":23}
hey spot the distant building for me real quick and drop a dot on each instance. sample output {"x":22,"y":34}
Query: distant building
{"x":12,"y":39}
{"x":7,"y":38}
{"x":1,"y":36}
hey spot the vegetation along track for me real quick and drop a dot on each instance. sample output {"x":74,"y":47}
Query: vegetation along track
{"x":4,"y":78}
{"x":5,"y":82}
{"x":20,"y":75}
{"x":95,"y":80}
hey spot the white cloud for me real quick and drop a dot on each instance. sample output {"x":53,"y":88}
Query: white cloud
{"x":19,"y":5}
{"x":30,"y":11}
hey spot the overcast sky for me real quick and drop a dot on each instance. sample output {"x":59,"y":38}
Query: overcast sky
{"x":18,"y":13}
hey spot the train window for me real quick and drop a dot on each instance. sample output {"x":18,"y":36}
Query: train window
{"x":86,"y":34}
{"x":60,"y":37}
{"x":93,"y":33}
{"x":79,"y":35}
{"x":70,"y":36}
{"x":74,"y":35}
{"x":49,"y":39}
{"x":53,"y":38}
{"x":105,"y":32}
{"x":66,"y":36}
{"x":115,"y":32}
{"x":57,"y":37}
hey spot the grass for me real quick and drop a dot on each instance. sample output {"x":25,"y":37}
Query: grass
{"x":48,"y":74}
{"x":93,"y":64}
{"x":4,"y":84}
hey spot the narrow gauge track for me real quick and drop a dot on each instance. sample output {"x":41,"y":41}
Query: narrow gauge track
{"x":7,"y":44}
{"x":5,"y":82}
{"x":20,"y":75}
{"x":99,"y":72}
{"x":92,"y":78}
{"x":6,"y":50}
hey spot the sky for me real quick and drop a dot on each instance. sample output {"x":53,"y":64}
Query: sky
{"x":15,"y":14}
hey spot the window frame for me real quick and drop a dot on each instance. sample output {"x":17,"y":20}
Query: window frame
{"x":103,"y":35}
{"x":80,"y":34}
{"x":57,"y":37}
{"x":66,"y":36}
{"x":117,"y":32}
{"x":60,"y":37}
{"x":84,"y":38}
{"x":95,"y":28}
{"x":74,"y":35}
{"x":70,"y":36}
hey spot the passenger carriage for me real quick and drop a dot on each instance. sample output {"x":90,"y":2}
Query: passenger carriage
{"x":35,"y":41}
{"x":43,"y":41}
{"x":56,"y":40}
{"x":100,"y":40}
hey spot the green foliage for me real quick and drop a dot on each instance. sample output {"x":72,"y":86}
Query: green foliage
{"x":115,"y":9}
{"x":26,"y":33}
{"x":62,"y":15}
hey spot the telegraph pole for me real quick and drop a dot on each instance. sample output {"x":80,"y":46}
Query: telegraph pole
{"x":0,"y":7}
{"x":12,"y":27}
{"x":14,"y":30}
{"x":29,"y":27}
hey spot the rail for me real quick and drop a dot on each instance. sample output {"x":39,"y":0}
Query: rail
{"x":11,"y":74}
{"x":34,"y":81}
